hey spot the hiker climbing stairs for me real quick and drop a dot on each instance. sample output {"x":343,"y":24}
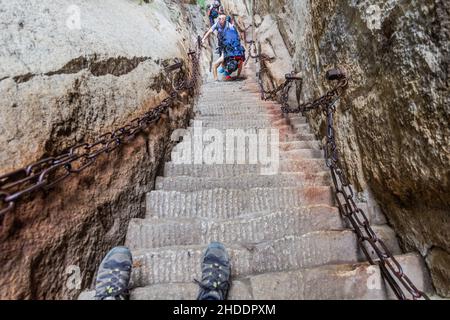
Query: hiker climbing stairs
{"x":285,"y":237}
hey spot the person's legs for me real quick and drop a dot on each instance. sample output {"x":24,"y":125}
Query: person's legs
{"x":219,"y":44}
{"x":113,"y":275}
{"x":216,"y":66}
{"x":241,"y":65}
{"x":216,"y":272}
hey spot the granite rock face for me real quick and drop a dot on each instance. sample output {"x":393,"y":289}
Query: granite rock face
{"x":393,"y":122}
{"x":69,"y":72}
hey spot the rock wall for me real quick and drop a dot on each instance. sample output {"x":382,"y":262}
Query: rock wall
{"x":393,"y":123}
{"x":69,"y":72}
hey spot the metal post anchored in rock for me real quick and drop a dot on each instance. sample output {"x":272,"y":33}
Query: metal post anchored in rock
{"x":336,"y":74}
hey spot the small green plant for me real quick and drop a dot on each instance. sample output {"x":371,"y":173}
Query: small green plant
{"x":202,"y":4}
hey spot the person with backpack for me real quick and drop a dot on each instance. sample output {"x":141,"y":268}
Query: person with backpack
{"x":215,"y":9}
{"x":233,"y":52}
{"x":229,"y":46}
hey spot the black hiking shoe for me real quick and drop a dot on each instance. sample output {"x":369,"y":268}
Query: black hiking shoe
{"x":216,"y":271}
{"x":114,"y":275}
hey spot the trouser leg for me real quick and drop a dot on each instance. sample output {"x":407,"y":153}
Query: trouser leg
{"x":216,"y":66}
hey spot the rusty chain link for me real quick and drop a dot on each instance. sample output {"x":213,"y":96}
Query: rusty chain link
{"x":46,"y":173}
{"x":335,"y":75}
{"x":262,"y":58}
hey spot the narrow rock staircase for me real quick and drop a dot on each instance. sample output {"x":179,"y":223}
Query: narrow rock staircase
{"x":285,"y":237}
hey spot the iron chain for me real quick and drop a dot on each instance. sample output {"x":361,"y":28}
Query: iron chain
{"x":372,"y":246}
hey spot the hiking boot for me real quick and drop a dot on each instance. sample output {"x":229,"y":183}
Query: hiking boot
{"x":216,"y":271}
{"x":114,"y":275}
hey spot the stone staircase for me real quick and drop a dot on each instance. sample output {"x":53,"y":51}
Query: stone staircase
{"x":285,"y":237}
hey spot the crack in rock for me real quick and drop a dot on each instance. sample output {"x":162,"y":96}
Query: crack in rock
{"x":117,"y":66}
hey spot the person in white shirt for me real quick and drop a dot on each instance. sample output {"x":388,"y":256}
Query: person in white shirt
{"x":220,"y":26}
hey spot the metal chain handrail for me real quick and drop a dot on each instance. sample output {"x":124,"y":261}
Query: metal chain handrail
{"x":368,"y":240}
{"x":46,"y":173}
{"x":261,"y":58}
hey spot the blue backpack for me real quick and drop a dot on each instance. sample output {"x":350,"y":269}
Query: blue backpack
{"x":231,"y":43}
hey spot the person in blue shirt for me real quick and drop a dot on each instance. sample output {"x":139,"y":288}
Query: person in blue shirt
{"x":220,"y":27}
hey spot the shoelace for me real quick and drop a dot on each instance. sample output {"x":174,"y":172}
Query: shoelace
{"x":120,"y":296}
{"x":213,"y":279}
{"x":112,"y":286}
{"x":209,"y":287}
{"x":221,"y":289}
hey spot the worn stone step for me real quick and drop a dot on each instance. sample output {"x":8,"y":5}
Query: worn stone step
{"x":302,"y":154}
{"x":239,"y":92}
{"x":285,"y":133}
{"x":186,"y":291}
{"x":220,"y":94}
{"x":302,"y":127}
{"x":359,"y":281}
{"x":240,"y":130}
{"x":301,"y":137}
{"x":224,"y":94}
{"x":244,"y":107}
{"x":295,"y":145}
{"x":300,"y":180}
{"x":242,"y":124}
{"x":190,"y":184}
{"x":230,"y":203}
{"x":212,"y":90}
{"x":230,"y":109}
{"x":254,"y":228}
{"x":241,"y":110}
{"x":214,"y":171}
{"x":265,"y":127}
{"x":289,"y":136}
{"x":339,"y":282}
{"x":283,"y":143}
{"x":248,"y":141}
{"x":244,"y":110}
{"x":224,"y":102}
{"x":185,"y":149}
{"x":177,"y":291}
{"x":172,"y":169}
{"x":182,"y":263}
{"x":297,"y":121}
{"x":208,"y":86}
{"x":235,"y":117}
{"x":294,"y":116}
